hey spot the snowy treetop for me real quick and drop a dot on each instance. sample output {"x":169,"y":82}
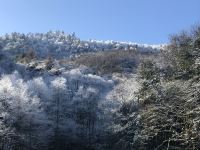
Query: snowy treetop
{"x":62,"y":45}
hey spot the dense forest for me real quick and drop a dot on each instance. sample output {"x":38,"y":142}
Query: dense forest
{"x":58,"y":92}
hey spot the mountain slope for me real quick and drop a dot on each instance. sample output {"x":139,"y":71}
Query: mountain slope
{"x":58,"y":92}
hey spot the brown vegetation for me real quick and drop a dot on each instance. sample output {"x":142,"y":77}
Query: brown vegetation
{"x":110,"y":61}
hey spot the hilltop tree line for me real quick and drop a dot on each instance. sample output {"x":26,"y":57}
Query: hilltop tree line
{"x":59,"y":45}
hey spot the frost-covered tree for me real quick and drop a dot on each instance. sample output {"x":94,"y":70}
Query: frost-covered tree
{"x":21,"y":114}
{"x":164,"y":113}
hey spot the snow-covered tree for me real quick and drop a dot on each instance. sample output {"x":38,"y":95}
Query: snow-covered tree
{"x":21,"y":114}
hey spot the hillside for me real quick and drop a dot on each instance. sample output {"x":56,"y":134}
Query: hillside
{"x":71,"y":86}
{"x":58,"y":92}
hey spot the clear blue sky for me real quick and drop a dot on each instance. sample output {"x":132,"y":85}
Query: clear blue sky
{"x":142,"y":21}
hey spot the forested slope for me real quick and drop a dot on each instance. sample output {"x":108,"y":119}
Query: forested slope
{"x":58,"y":92}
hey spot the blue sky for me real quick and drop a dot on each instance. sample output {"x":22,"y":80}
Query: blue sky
{"x":141,"y":21}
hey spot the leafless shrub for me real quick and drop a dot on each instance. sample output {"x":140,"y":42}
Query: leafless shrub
{"x":110,"y":61}
{"x":27,"y":56}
